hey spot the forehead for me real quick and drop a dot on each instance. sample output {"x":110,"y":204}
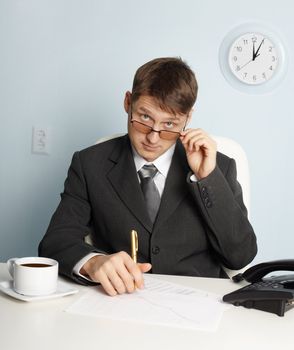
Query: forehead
{"x":149,"y":105}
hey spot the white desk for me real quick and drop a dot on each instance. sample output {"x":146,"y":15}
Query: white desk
{"x":45,"y":326}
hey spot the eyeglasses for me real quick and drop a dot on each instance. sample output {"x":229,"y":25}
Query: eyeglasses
{"x":163,"y":134}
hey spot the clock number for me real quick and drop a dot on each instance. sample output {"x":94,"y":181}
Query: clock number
{"x":245,"y":41}
{"x":235,"y":58}
{"x":237,"y":68}
{"x":271,"y":68}
{"x":244,"y":75}
{"x":254,"y":39}
{"x":239,"y":48}
{"x":270,"y":48}
{"x":254,"y":77}
{"x":264,"y":75}
{"x":273,"y":58}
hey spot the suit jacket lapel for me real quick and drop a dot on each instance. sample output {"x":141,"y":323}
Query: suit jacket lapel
{"x":175,"y":189}
{"x":124,"y":180}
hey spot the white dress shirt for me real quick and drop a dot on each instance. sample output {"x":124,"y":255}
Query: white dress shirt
{"x":162,"y":164}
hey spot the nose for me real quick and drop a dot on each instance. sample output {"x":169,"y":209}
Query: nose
{"x":153,"y":137}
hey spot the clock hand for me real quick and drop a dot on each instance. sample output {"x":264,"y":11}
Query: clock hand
{"x":256,"y":53}
{"x":253,"y":53}
{"x":245,"y":64}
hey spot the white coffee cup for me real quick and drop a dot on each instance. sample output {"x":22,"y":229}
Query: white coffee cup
{"x":33,"y":276}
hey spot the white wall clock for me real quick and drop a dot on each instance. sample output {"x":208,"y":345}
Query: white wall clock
{"x":253,"y":58}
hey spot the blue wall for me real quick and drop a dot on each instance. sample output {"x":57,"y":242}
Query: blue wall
{"x":66,"y":64}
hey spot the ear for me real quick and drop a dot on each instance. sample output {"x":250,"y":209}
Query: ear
{"x":127,"y":101}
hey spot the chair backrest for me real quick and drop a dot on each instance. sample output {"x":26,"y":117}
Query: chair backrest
{"x":234,"y":150}
{"x":109,"y":137}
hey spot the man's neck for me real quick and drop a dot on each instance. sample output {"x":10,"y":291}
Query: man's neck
{"x":162,"y":163}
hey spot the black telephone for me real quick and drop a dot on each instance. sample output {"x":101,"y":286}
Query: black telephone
{"x":272,"y":294}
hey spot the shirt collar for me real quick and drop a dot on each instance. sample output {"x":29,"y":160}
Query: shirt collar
{"x":162,"y":163}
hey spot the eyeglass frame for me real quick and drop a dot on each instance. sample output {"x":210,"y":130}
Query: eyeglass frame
{"x":158,"y":131}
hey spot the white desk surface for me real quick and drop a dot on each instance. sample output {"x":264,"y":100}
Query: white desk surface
{"x":43,"y":325}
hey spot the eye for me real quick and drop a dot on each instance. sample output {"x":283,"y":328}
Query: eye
{"x":169,"y":125}
{"x":145,"y":117}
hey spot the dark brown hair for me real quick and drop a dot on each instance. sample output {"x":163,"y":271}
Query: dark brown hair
{"x":170,"y":81}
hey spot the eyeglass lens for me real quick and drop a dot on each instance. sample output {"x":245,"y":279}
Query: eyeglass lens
{"x":146,"y":129}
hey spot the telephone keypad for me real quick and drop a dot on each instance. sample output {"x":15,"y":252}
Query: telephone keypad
{"x":264,"y":284}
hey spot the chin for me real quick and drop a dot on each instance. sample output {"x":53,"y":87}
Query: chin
{"x":149,"y":156}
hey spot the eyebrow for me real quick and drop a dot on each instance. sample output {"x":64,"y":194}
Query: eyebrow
{"x":147,"y":111}
{"x":144,"y":110}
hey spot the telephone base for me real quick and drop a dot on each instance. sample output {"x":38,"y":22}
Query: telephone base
{"x":277,"y":307}
{"x":274,"y":294}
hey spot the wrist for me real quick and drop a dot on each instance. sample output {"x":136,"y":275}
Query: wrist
{"x":203,"y":173}
{"x":88,"y":266}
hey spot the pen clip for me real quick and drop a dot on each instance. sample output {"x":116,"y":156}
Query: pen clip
{"x":136,"y":241}
{"x":134,"y":245}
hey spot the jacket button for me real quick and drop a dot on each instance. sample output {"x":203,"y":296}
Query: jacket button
{"x":204,"y":191}
{"x":155,"y":250}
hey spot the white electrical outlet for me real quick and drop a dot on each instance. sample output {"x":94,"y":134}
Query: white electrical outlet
{"x":41,"y":140}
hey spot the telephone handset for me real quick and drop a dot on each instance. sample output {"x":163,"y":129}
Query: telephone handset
{"x":272,"y":294}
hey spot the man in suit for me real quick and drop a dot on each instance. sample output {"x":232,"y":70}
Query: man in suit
{"x":190,"y":217}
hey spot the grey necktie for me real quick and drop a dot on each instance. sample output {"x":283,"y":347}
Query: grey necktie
{"x":149,"y":189}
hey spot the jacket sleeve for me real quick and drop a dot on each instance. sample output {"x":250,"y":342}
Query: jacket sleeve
{"x":230,"y":233}
{"x":71,"y":222}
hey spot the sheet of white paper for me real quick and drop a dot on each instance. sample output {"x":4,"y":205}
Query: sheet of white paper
{"x":163,"y":287}
{"x":160,"y":302}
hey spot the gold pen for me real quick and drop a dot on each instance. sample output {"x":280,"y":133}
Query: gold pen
{"x":134,"y":245}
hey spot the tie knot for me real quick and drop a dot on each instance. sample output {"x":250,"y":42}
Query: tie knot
{"x":148,"y":170}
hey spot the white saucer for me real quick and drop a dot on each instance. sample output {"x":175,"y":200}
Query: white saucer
{"x":62,"y":290}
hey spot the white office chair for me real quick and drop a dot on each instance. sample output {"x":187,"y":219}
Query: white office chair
{"x":233,"y":150}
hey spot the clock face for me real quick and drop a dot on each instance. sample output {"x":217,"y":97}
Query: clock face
{"x":253,"y":58}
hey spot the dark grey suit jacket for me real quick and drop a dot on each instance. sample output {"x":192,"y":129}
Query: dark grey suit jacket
{"x":200,"y":226}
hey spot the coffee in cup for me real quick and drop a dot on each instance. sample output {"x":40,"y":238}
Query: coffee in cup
{"x":33,"y":276}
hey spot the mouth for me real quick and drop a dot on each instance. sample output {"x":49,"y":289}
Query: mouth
{"x":150,"y":148}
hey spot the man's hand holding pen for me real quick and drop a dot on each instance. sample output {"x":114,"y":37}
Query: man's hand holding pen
{"x":117,"y":273}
